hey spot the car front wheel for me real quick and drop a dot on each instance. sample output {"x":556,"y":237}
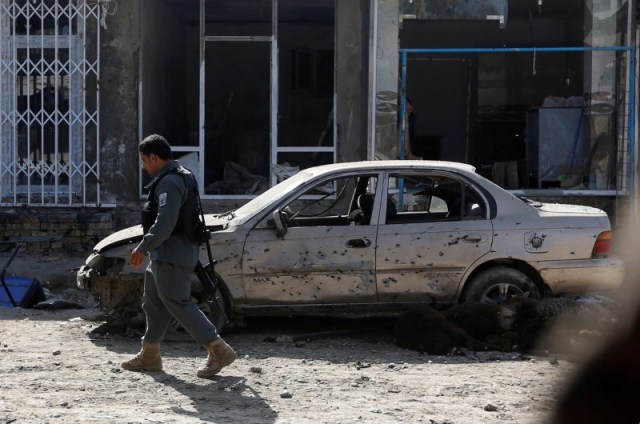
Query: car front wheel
{"x":496,"y":285}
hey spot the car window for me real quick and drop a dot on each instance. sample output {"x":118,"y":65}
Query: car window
{"x":431,"y":197}
{"x":345,"y":200}
{"x":265,"y":200}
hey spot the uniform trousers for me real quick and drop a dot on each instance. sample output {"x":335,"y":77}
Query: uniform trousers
{"x":167,"y":294}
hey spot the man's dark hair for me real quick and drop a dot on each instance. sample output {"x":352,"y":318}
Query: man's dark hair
{"x":156,"y":144}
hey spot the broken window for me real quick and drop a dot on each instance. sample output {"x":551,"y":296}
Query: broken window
{"x":416,"y":198}
{"x":347,"y":200}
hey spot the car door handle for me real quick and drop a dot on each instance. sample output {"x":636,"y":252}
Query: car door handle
{"x":358,"y":243}
{"x":472,"y":238}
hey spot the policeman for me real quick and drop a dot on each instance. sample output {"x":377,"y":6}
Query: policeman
{"x":167,"y":282}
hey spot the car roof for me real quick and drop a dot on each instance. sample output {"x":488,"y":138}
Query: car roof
{"x":392,"y":164}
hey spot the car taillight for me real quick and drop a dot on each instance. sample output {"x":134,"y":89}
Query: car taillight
{"x":604,"y":244}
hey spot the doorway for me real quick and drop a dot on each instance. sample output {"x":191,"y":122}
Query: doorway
{"x":441,"y":112}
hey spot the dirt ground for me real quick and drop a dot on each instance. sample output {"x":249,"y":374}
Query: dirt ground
{"x":53,"y":369}
{"x":64,"y":366}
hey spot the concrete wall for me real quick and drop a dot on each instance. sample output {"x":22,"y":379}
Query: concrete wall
{"x":387,"y":81}
{"x":352,"y":82}
{"x":120,"y":47}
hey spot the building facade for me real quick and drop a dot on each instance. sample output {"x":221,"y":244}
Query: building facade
{"x":538,"y":95}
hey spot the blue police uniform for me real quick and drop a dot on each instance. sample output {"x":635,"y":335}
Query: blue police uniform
{"x":167,"y":282}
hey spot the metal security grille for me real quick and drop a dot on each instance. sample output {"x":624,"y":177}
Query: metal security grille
{"x":49,"y":102}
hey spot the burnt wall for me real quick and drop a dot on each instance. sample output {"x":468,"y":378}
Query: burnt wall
{"x":120,"y":48}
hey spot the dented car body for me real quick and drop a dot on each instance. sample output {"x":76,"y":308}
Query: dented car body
{"x":372,"y":237}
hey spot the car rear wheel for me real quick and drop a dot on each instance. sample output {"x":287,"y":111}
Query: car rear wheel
{"x":496,"y":285}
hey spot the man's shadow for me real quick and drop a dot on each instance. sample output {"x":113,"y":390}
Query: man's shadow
{"x":220,"y":399}
{"x":224,"y":398}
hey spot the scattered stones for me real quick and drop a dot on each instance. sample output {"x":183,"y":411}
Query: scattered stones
{"x":286,"y":394}
{"x":322,"y":375}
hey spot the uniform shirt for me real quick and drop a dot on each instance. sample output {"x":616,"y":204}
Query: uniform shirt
{"x":171,"y":193}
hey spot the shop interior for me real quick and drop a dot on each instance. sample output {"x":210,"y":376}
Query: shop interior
{"x":534,"y":120}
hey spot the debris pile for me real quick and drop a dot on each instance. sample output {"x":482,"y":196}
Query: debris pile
{"x":553,"y":325}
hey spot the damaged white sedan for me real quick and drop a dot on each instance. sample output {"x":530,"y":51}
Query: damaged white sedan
{"x":375,"y":237}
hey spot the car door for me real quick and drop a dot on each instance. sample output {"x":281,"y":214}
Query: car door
{"x":434,"y":228}
{"x":326,"y":255}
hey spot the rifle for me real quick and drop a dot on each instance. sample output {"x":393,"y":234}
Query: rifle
{"x":207,"y":275}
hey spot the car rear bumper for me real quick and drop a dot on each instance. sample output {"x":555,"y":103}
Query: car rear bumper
{"x":580,"y":276}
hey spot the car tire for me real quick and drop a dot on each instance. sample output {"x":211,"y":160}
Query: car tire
{"x":496,"y":285}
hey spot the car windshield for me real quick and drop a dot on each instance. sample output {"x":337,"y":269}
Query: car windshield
{"x":263,"y":201}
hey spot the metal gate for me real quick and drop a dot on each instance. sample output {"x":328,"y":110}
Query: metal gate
{"x":49,"y":102}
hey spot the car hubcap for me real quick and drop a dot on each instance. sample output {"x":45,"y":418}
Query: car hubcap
{"x":500,"y":292}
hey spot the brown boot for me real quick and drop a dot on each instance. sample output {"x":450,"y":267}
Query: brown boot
{"x":148,"y":359}
{"x":220,"y":355}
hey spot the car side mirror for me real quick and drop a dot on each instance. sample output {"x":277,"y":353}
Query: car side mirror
{"x":280,"y":221}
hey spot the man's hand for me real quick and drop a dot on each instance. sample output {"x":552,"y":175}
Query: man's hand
{"x":137,"y":258}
